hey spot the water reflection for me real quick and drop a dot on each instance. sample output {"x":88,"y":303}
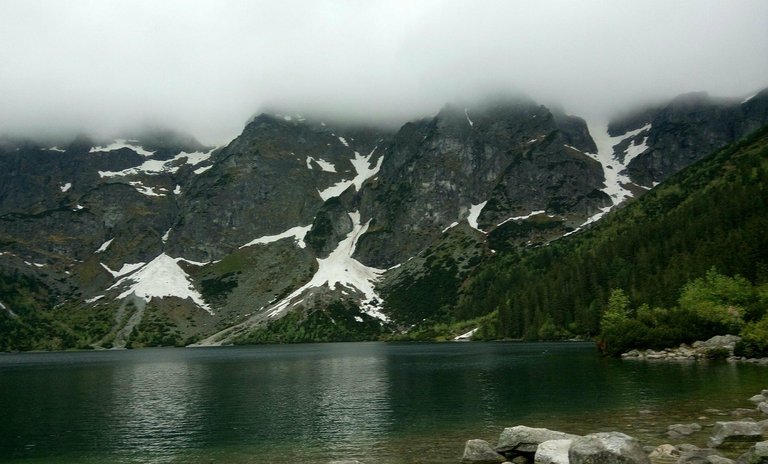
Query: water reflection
{"x":155,"y":411}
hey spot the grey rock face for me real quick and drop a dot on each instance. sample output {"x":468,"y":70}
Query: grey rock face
{"x":689,"y":128}
{"x":480,"y":452}
{"x":523,"y":439}
{"x":729,"y":433}
{"x":518,"y":157}
{"x":607,"y":448}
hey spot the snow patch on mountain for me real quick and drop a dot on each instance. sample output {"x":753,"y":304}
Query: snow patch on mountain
{"x":126,"y":269}
{"x":466,"y":113}
{"x":474,"y":214}
{"x":298,"y":233}
{"x":324,"y":165}
{"x":122,"y":143}
{"x":162,"y":277}
{"x":65,"y":187}
{"x":341,"y":269}
{"x":154,"y":167}
{"x":104,"y":246}
{"x":614,"y":166}
{"x":363,"y":170}
{"x":521,"y":218}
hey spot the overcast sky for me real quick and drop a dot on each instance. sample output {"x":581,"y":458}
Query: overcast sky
{"x":207,"y":66}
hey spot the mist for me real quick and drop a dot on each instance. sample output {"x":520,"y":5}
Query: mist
{"x":206,"y":67}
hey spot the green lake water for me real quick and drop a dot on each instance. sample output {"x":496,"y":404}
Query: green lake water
{"x":315,"y":403}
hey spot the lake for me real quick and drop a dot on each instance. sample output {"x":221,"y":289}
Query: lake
{"x":315,"y":403}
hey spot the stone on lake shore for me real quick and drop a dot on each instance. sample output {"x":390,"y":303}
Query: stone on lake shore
{"x":763,"y":407}
{"x":523,"y":439}
{"x":553,"y":452}
{"x":682,"y":430}
{"x":607,"y":448}
{"x":664,"y":454}
{"x":735,"y":433}
{"x":757,"y":454}
{"x":481,"y":452}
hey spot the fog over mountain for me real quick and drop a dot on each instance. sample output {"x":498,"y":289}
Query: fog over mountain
{"x":207,"y":66}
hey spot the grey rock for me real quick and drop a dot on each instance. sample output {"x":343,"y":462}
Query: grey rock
{"x":523,"y":439}
{"x":697,"y":455}
{"x":729,"y":433}
{"x":480,"y":452}
{"x":716,"y":459}
{"x":521,"y":459}
{"x":763,"y":407}
{"x":757,"y":454}
{"x":678,"y":430}
{"x":757,"y":399}
{"x":607,"y":448}
{"x":553,"y":452}
{"x":664,"y":454}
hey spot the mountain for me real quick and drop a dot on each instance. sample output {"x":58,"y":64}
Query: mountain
{"x":300,"y":230}
{"x":712,"y":214}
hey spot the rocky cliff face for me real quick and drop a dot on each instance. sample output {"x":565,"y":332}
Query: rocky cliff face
{"x":687,"y":129}
{"x":298,"y":217}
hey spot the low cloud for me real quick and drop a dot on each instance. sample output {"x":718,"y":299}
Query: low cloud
{"x":205,"y":67}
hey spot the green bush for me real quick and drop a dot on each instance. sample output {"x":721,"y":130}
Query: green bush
{"x":754,"y":340}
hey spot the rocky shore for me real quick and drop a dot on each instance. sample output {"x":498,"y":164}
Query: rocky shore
{"x":743,"y":441}
{"x":718,"y":347}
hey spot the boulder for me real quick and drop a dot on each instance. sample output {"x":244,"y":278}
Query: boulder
{"x":757,"y":454}
{"x":682,"y":430}
{"x":719,"y":341}
{"x":553,"y":452}
{"x":729,"y":433}
{"x":480,"y":452}
{"x":664,"y":454}
{"x":763,"y":407}
{"x":717,"y":459}
{"x":757,"y":399}
{"x":606,"y":448}
{"x":523,"y":439}
{"x":696,"y":455}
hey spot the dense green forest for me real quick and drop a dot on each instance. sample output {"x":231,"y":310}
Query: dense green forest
{"x":712,"y":214}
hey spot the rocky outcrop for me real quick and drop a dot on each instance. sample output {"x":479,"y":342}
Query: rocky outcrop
{"x":687,"y":129}
{"x":482,"y":165}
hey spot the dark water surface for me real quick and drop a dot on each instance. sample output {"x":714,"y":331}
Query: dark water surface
{"x":373,"y":402}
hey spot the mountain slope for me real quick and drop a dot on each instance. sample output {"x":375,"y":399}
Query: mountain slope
{"x":714,"y":213}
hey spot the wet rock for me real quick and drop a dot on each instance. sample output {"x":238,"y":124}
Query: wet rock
{"x":729,"y":433}
{"x":695,"y":455}
{"x":553,"y":452}
{"x":757,"y":454}
{"x":523,"y":439}
{"x":664,"y":454}
{"x":717,"y":459}
{"x":682,"y":430}
{"x":480,"y":452}
{"x":607,"y":448}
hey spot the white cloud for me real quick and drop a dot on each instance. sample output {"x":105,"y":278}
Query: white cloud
{"x":206,"y":66}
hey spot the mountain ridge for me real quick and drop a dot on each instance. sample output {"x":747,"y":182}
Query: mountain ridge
{"x":252,"y":225}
